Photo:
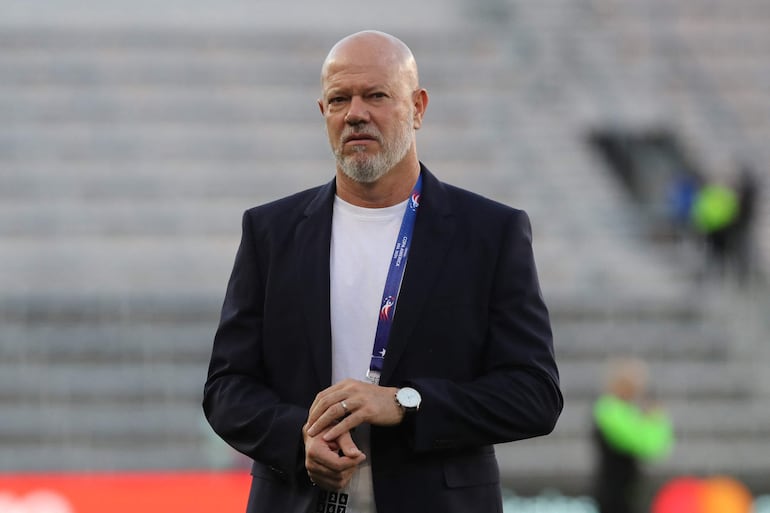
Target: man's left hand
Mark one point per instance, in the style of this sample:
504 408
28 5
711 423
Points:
349 403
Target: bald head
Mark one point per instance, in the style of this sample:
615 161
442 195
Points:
372 48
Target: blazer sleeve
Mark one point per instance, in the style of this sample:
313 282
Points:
516 395
237 402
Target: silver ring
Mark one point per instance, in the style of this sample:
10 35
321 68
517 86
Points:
344 407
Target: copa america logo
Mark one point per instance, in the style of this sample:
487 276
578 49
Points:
414 201
387 307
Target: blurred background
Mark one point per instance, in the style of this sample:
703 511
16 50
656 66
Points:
636 134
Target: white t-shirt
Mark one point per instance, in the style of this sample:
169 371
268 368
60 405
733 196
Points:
362 244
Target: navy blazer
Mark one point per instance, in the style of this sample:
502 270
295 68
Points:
471 333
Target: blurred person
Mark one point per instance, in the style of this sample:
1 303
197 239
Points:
714 211
742 227
628 428
680 198
352 386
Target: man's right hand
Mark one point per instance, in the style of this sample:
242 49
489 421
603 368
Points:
331 464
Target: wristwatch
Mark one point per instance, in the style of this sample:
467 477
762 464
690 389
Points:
409 399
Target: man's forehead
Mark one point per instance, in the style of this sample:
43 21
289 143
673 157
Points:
358 75
361 62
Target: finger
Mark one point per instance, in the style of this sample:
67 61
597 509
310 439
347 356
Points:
330 454
323 401
325 478
375 406
328 465
344 390
349 447
339 428
327 470
328 418
334 481
332 478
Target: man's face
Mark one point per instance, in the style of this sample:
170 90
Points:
369 116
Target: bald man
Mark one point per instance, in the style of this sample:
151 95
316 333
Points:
380 333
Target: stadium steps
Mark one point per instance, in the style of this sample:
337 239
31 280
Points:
129 155
613 64
94 383
707 64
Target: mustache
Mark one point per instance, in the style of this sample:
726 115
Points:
352 131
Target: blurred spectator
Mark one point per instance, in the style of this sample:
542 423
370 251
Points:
627 429
680 199
714 211
724 216
741 237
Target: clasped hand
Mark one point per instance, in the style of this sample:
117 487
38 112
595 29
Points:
331 456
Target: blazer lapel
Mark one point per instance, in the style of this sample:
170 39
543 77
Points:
433 232
313 240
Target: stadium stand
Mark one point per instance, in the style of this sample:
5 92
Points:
131 141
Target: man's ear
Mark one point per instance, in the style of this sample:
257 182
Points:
321 106
420 106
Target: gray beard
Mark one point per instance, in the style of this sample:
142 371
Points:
364 168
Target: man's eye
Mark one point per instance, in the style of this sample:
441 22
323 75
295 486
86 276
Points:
336 99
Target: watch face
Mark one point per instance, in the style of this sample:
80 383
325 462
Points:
408 397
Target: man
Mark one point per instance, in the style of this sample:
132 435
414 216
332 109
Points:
380 333
628 429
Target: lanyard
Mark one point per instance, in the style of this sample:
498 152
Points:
393 284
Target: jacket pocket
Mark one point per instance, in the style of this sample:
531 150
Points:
266 472
271 493
476 469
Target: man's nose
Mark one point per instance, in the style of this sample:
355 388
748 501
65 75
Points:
357 111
